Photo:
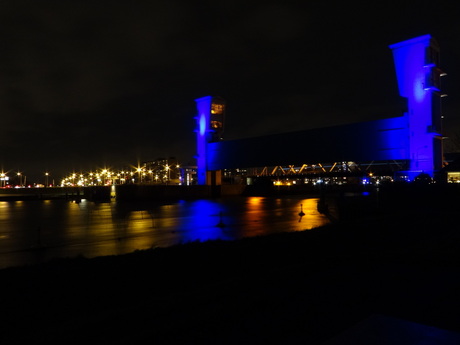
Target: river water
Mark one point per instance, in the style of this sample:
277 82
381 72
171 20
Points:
36 231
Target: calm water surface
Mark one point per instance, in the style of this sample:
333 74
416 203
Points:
39 230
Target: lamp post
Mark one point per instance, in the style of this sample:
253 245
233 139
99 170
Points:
46 179
168 173
3 179
139 170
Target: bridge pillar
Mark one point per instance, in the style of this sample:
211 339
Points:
210 126
418 74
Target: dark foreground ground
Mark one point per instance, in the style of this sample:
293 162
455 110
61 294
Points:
399 260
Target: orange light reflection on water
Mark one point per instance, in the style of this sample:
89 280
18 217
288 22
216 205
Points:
311 218
261 213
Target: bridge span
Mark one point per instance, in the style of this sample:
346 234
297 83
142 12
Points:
405 145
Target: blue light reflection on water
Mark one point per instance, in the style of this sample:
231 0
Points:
60 228
202 220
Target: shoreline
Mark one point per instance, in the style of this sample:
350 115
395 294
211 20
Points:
300 287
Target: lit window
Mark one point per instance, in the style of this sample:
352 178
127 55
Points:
217 108
216 124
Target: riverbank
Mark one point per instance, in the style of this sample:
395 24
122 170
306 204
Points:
402 261
126 192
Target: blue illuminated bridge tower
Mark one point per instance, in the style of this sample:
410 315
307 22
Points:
210 126
419 80
412 138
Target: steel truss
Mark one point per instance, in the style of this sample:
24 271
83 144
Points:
332 169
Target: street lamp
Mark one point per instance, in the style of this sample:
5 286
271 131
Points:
151 175
139 170
3 179
46 179
168 174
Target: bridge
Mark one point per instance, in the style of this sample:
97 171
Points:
404 146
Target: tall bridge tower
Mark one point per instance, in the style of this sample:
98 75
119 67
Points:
419 80
210 127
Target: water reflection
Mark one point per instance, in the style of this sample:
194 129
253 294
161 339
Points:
32 231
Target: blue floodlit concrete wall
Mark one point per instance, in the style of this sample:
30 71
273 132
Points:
381 140
414 136
418 74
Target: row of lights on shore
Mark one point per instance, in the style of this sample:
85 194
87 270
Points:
107 177
166 174
22 180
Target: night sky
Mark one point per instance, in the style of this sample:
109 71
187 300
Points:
92 84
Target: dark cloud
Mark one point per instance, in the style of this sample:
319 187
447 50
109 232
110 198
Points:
85 83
